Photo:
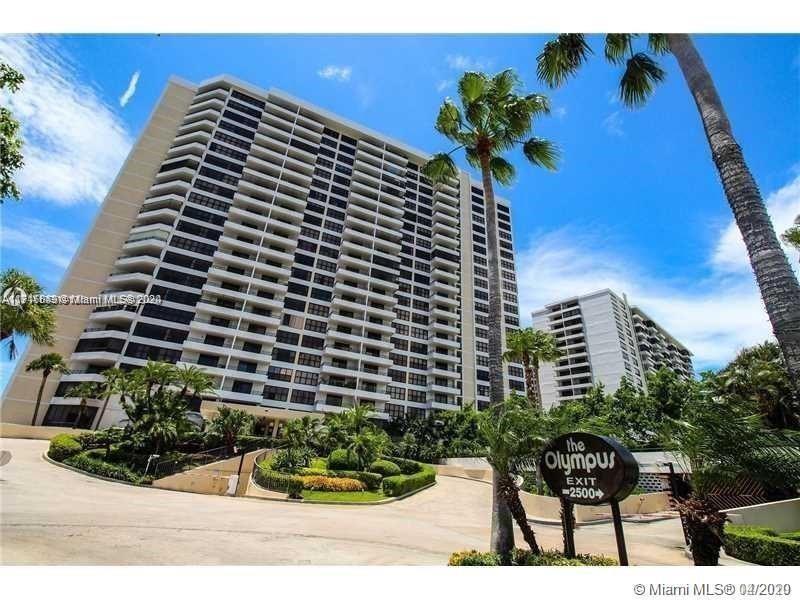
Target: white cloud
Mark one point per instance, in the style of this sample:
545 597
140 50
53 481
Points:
613 124
783 206
715 317
336 73
460 62
130 91
74 143
443 84
39 240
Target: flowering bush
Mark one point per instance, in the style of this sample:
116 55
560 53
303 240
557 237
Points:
320 483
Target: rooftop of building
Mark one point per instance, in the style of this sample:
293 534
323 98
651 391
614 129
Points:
348 125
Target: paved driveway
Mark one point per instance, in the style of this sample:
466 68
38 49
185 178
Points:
49 515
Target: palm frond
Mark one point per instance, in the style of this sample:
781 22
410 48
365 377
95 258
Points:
658 43
542 153
617 44
440 168
562 57
448 121
472 157
472 86
502 170
639 80
503 84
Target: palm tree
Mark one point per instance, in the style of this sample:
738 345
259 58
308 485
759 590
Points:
493 118
229 424
108 388
47 364
84 390
513 434
357 418
779 288
19 316
531 347
195 380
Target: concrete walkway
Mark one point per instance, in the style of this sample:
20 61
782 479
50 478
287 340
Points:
49 515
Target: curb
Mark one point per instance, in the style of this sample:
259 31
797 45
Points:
336 502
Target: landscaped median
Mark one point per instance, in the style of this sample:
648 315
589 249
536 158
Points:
762 545
80 452
337 479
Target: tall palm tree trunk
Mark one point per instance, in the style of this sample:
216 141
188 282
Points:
102 412
530 391
502 535
511 495
777 283
39 398
537 391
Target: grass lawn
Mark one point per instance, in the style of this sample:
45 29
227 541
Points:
354 497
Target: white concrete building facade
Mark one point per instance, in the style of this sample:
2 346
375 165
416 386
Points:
604 339
301 259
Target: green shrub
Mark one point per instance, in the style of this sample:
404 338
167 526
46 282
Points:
253 442
91 462
791 535
342 460
400 485
291 460
761 545
278 482
100 438
63 446
385 468
519 558
407 467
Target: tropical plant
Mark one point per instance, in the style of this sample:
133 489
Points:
52 362
778 284
108 388
84 391
156 411
719 445
229 424
513 432
493 118
758 380
300 433
194 382
367 445
531 347
20 316
792 235
10 140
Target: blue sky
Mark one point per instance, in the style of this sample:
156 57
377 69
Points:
636 204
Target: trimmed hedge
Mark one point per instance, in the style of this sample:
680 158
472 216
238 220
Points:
400 485
342 460
89 462
385 467
279 482
64 446
320 483
407 467
524 558
762 545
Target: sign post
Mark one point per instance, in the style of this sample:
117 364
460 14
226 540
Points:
588 469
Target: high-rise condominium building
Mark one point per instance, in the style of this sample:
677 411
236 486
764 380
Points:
301 259
604 339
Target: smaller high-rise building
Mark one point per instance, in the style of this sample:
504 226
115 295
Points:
604 339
